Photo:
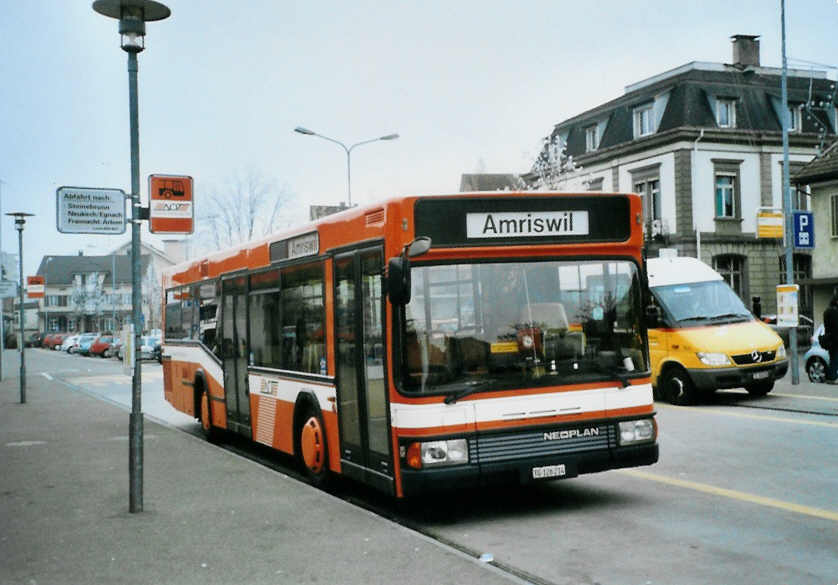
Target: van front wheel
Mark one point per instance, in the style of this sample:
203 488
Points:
676 387
760 388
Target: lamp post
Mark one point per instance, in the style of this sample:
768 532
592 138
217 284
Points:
132 16
348 150
20 221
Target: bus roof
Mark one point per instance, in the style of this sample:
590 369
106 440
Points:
678 270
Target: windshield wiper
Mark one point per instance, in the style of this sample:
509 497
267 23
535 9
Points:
471 387
729 316
695 318
611 371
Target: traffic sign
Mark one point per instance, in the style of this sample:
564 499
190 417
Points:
89 210
35 287
8 288
804 230
171 208
769 222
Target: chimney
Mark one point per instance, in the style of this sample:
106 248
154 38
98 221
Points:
745 51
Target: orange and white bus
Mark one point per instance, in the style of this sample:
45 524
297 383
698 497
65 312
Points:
426 342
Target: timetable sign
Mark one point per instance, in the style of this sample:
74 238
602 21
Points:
84 210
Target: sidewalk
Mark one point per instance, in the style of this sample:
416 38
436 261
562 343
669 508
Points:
209 516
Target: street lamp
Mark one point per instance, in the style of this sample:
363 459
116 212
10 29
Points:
132 16
20 221
348 150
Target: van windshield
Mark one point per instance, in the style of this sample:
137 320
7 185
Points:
701 303
487 326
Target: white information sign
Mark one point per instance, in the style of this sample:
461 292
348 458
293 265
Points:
128 354
787 305
84 210
526 224
8 288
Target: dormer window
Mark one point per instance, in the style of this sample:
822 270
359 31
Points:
644 123
795 117
591 138
726 113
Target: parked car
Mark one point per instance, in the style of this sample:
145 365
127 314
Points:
147 347
114 349
85 341
56 340
69 343
804 329
816 359
158 352
100 345
47 339
33 339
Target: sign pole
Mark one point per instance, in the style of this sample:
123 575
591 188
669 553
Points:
136 419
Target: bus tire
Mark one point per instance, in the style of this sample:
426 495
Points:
676 386
760 388
312 450
203 410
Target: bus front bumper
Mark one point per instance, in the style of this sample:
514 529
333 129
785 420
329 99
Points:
522 471
719 378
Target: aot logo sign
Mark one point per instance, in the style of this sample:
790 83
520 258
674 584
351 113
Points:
35 287
171 208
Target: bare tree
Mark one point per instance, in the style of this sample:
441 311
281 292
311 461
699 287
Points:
246 207
552 166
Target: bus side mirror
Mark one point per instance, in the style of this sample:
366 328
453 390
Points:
398 280
652 316
398 270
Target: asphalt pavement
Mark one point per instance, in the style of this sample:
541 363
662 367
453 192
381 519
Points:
209 516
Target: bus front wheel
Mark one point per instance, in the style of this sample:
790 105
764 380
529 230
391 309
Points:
205 412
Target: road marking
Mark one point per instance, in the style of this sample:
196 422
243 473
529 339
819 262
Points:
734 494
807 396
47 376
815 423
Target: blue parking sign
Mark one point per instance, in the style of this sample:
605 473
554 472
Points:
804 230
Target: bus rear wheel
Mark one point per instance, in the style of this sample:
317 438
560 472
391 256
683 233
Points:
312 452
677 388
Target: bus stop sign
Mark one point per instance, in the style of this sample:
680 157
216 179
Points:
171 208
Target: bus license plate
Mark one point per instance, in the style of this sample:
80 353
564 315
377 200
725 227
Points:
549 471
761 375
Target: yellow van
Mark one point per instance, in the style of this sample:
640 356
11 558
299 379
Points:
704 338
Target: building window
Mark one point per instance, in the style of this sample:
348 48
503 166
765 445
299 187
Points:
650 190
591 138
731 268
833 214
643 120
725 196
795 118
726 113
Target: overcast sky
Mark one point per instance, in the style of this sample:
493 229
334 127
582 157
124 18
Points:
471 86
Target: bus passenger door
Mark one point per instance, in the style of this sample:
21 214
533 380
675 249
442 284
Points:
234 353
361 384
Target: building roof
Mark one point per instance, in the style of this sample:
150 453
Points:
59 270
489 182
823 167
687 96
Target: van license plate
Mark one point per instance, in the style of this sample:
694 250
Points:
548 471
761 375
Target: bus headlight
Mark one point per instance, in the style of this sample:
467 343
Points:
437 453
781 351
713 359
637 431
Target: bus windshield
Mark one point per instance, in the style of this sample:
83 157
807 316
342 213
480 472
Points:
505 325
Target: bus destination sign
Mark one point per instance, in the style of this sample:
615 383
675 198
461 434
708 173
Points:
526 224
508 221
85 210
